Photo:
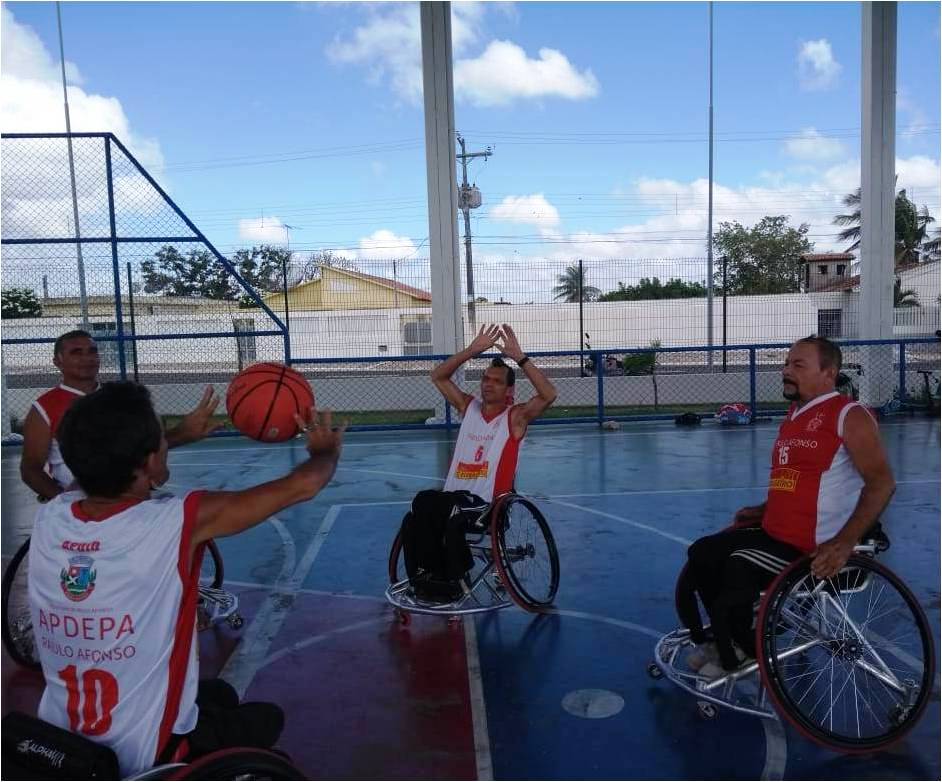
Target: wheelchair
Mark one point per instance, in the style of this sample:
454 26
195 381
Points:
515 561
34 749
848 661
215 605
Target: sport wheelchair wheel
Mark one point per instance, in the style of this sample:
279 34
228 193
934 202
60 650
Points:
17 629
848 660
395 556
213 570
240 763
524 552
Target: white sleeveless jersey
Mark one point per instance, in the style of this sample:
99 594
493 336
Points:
485 458
52 406
114 616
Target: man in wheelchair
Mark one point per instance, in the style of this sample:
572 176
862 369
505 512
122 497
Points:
482 467
829 482
113 586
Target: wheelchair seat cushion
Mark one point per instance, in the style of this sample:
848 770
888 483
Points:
35 749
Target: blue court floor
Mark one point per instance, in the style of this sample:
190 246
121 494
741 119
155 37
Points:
369 698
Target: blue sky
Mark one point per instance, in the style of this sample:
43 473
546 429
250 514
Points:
596 113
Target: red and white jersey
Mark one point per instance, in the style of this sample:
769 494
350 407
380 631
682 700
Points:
114 616
52 406
814 486
485 458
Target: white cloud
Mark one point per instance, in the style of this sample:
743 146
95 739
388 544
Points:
388 45
31 95
918 171
269 230
811 145
24 56
504 72
817 68
383 244
526 210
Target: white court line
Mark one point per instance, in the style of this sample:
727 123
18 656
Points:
248 657
776 749
482 740
623 520
319 638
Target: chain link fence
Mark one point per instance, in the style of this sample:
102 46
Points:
619 337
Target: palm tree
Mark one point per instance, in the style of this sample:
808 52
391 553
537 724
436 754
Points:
567 286
911 228
901 298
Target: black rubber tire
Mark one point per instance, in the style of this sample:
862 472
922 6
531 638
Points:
789 689
240 763
218 568
14 591
511 576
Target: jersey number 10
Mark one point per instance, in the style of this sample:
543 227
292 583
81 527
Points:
96 700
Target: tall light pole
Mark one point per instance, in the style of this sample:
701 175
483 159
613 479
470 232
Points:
710 210
469 198
284 276
83 296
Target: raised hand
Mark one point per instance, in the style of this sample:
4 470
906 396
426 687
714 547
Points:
487 337
198 423
509 344
323 438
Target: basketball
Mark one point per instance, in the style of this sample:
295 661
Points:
262 401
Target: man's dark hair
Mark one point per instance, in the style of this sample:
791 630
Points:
829 354
63 338
107 435
511 375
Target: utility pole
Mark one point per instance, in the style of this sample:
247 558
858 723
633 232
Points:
710 209
469 198
284 277
83 295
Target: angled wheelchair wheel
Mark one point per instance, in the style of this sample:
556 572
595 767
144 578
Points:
213 571
524 552
240 763
17 629
849 661
397 568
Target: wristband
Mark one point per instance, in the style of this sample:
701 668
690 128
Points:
523 361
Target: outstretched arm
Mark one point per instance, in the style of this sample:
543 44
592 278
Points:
441 376
545 390
197 424
223 513
862 440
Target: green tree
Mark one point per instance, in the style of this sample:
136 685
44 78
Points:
198 273
567 286
904 298
262 267
912 234
20 303
764 259
648 289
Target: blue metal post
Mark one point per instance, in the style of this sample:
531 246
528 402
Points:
600 385
752 383
122 364
448 423
902 372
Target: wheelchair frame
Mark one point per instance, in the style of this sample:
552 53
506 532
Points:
747 689
491 584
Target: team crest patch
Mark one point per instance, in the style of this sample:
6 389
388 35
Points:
815 423
78 579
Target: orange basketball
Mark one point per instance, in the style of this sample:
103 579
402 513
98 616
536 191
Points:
263 399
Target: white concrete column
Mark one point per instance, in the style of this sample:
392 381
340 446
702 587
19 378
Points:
447 332
878 195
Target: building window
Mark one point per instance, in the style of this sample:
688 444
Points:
416 336
822 269
829 323
840 269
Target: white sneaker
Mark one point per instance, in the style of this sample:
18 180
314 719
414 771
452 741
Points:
702 654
